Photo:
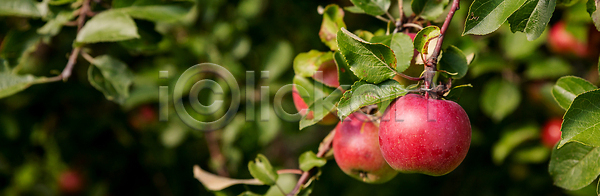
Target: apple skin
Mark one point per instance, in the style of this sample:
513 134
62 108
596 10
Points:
356 150
562 41
71 182
419 145
551 132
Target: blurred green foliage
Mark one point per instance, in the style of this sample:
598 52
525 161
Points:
122 149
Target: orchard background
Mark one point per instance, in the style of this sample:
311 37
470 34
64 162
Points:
80 80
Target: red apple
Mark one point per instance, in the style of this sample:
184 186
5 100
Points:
563 42
551 132
356 150
143 117
429 136
70 182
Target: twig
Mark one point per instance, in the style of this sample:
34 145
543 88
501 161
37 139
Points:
430 65
390 17
289 171
410 77
413 25
401 17
215 153
382 19
324 148
66 73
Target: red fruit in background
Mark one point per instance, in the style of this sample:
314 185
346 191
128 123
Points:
412 36
429 136
330 74
563 42
143 117
551 132
356 150
70 182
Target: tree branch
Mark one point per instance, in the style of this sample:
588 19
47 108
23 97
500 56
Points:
66 73
324 148
430 65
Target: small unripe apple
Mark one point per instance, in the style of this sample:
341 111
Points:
143 117
564 42
551 132
71 182
356 150
429 136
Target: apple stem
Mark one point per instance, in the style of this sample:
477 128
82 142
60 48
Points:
431 64
325 146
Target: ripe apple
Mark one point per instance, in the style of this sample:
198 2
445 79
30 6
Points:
356 150
143 117
71 182
563 42
429 136
551 132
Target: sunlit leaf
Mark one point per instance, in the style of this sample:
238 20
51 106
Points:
22 8
214 183
373 7
424 36
402 46
309 159
262 170
568 87
108 26
363 94
485 16
532 17
370 62
582 120
333 20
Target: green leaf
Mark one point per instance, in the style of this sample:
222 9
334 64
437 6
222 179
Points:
279 59
582 120
17 44
53 26
532 17
402 46
574 166
112 77
363 94
11 84
320 108
536 154
510 139
108 26
21 8
373 7
499 98
516 46
594 11
424 36
370 62
485 16
306 64
249 193
215 183
552 67
333 20
346 77
262 170
354 9
487 63
454 61
309 159
428 9
156 13
568 87
310 90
